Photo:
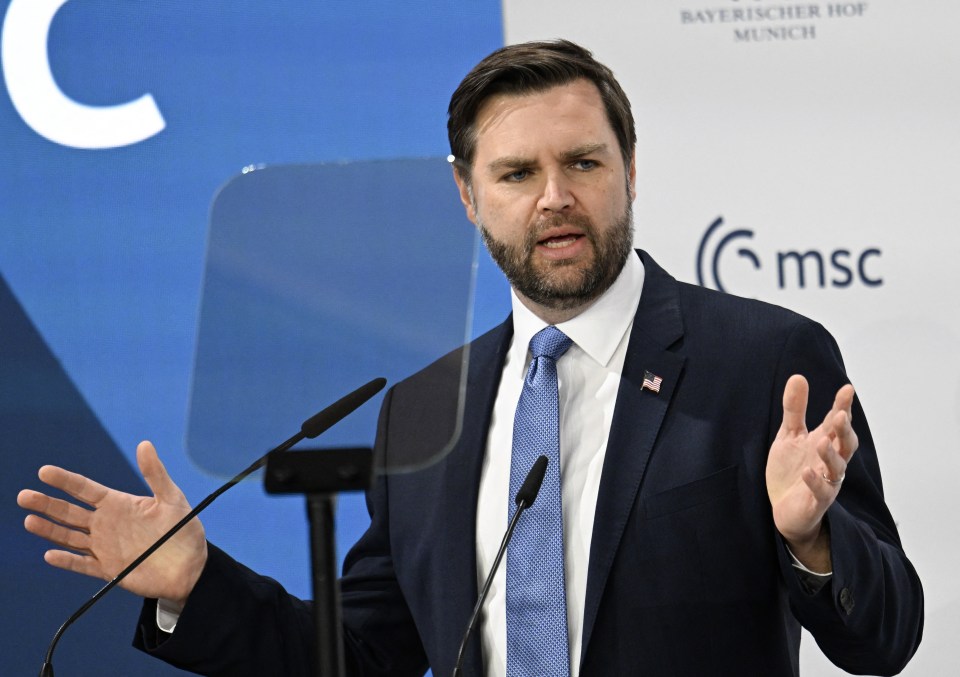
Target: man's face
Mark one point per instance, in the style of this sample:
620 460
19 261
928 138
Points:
550 194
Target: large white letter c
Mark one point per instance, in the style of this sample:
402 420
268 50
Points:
46 109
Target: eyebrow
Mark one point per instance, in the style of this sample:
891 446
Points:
508 162
517 161
585 149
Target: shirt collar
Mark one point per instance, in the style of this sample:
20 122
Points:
598 330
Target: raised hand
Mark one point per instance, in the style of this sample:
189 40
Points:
805 470
118 527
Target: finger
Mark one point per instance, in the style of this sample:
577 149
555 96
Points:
834 465
824 492
81 564
844 400
80 487
795 395
843 436
57 509
156 475
58 534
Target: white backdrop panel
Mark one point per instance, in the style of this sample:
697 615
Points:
825 129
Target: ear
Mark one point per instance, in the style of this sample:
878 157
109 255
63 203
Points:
632 176
463 185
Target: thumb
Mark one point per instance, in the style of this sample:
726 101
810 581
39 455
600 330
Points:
795 405
156 475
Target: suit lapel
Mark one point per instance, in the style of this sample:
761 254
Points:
637 418
461 480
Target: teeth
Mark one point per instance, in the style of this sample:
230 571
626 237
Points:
555 244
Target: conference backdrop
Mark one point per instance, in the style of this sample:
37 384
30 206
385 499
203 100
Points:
157 155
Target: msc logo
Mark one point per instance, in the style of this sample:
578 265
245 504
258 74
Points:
837 268
44 107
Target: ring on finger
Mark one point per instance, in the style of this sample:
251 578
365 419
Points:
835 482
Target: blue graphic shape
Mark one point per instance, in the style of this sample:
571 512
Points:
45 420
319 278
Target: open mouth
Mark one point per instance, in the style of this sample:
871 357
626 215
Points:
560 236
560 241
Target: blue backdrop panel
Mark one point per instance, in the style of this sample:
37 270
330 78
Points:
104 249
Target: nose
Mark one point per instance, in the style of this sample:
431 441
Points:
556 194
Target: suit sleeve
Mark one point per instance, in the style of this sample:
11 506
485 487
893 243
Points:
869 618
239 623
236 622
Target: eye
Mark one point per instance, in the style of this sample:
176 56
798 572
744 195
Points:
585 165
517 175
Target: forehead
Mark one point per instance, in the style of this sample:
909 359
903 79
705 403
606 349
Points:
566 115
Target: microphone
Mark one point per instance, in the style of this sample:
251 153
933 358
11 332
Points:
312 427
346 405
525 498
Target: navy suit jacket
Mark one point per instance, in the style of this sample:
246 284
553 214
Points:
687 574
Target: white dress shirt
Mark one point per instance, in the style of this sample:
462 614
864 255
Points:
589 378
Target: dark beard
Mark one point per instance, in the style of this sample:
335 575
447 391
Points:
538 284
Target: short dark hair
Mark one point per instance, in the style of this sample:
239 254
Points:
527 68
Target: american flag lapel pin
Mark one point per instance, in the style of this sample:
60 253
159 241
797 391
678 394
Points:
651 382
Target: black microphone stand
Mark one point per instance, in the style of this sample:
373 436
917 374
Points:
321 474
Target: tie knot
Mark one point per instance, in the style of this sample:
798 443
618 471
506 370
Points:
550 342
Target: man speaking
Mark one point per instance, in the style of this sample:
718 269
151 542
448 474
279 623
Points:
711 486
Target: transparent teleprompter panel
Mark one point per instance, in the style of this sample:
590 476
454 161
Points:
319 278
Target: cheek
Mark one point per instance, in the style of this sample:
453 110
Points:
610 202
503 218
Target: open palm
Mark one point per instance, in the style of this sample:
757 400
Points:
805 468
101 540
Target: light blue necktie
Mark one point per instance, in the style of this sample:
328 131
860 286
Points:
536 599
